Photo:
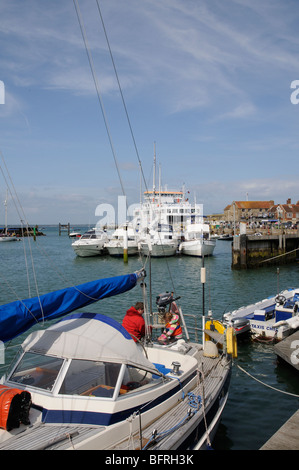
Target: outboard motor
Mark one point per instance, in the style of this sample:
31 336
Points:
163 300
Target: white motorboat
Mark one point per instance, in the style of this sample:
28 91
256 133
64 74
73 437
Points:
124 237
75 235
91 243
160 242
197 241
273 318
7 238
84 383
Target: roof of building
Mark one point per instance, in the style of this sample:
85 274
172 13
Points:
286 207
251 205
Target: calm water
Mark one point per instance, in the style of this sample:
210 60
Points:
253 412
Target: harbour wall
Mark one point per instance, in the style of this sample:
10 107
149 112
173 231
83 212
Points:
251 251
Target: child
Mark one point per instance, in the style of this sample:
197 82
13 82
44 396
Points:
172 329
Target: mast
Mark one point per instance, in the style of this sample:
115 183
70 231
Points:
154 171
5 205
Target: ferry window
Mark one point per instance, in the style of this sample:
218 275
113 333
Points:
37 370
90 378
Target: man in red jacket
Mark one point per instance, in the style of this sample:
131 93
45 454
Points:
133 321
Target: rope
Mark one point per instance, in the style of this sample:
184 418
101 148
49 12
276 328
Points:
266 385
26 223
90 60
121 93
279 256
203 403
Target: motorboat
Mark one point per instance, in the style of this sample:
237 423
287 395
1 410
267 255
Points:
84 383
91 243
273 318
160 241
226 237
75 235
8 238
124 237
197 241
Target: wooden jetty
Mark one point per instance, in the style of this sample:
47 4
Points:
252 251
62 227
288 350
287 437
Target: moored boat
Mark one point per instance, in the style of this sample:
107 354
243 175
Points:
91 243
160 242
273 318
84 383
124 237
197 241
8 238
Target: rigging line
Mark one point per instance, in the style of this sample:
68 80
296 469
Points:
279 256
266 385
121 93
39 247
99 96
21 301
90 60
19 215
28 237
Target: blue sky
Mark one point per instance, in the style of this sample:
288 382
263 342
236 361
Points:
208 80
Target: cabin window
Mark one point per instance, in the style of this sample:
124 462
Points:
37 370
138 378
90 378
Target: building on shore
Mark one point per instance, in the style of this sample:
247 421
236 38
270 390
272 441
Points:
285 212
241 211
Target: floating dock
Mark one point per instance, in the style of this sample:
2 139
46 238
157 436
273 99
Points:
287 437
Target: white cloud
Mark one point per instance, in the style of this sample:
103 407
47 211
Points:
210 80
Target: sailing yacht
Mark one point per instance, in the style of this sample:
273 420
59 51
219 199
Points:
85 384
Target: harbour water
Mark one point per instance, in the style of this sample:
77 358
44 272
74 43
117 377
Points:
254 411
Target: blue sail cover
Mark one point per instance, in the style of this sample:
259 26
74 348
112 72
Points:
17 317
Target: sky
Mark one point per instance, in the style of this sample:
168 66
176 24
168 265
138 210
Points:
206 85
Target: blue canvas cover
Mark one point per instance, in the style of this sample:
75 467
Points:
17 317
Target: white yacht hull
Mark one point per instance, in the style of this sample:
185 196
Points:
86 250
117 249
159 250
198 247
8 239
